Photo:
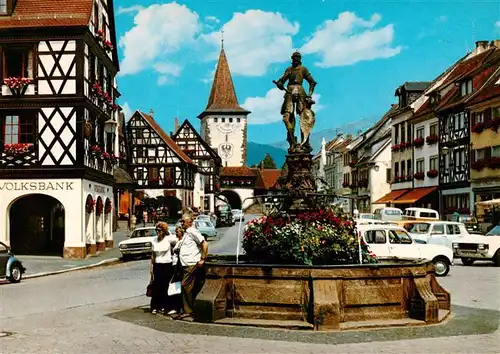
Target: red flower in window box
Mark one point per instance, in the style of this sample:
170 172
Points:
432 173
108 46
95 151
494 123
478 128
99 207
89 206
418 142
419 175
17 85
353 163
101 36
17 148
432 139
478 165
106 156
407 144
494 162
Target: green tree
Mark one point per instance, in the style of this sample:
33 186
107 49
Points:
268 162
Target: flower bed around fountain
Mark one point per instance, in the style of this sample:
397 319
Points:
303 271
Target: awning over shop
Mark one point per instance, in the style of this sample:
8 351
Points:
414 195
390 197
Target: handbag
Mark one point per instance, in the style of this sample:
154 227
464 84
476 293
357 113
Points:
149 288
174 288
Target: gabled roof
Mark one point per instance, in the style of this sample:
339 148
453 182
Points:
380 149
491 90
186 124
223 96
267 178
48 13
168 140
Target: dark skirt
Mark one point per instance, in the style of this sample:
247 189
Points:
162 273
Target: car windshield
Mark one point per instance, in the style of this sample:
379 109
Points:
420 228
494 231
143 233
203 224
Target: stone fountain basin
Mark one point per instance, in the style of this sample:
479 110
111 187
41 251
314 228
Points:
327 298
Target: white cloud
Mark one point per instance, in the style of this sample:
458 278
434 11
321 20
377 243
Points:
130 9
497 24
350 39
212 19
267 109
127 111
254 40
159 32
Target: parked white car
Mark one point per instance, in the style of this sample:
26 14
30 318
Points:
437 232
478 247
388 241
140 242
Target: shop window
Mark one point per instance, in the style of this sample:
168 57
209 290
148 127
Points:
19 130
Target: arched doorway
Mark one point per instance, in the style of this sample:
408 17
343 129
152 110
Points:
233 199
37 225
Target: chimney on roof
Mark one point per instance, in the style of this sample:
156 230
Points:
176 123
349 136
481 46
152 113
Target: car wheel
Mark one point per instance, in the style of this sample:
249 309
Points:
126 257
467 261
441 266
496 258
16 273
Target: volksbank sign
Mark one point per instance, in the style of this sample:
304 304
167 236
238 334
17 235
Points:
36 186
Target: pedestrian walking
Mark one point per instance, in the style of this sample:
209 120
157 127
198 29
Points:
192 254
161 270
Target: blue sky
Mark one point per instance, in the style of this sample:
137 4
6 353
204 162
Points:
359 52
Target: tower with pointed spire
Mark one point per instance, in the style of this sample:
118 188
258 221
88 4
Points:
224 121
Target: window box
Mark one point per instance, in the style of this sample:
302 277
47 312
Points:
353 163
478 165
17 149
494 123
493 163
432 139
478 127
419 175
418 142
17 85
432 173
407 145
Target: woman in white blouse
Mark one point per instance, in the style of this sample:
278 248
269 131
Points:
161 269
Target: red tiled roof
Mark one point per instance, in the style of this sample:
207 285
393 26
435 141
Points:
424 109
269 177
48 13
242 171
168 140
465 67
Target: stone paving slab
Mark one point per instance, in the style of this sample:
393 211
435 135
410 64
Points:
463 321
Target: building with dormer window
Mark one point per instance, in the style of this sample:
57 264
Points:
58 140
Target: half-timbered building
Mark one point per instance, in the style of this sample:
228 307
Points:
207 182
157 164
58 63
465 81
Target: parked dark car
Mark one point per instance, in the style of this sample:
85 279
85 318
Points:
11 268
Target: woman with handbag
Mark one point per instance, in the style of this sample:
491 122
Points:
161 270
176 299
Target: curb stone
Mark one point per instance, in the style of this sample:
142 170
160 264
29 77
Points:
106 262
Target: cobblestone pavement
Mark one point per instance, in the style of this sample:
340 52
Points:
99 311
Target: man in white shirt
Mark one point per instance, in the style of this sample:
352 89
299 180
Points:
192 254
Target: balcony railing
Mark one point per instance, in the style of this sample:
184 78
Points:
100 164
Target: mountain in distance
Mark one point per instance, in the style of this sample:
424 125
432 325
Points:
316 137
278 150
256 153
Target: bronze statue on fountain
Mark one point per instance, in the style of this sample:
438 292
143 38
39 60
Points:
299 179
